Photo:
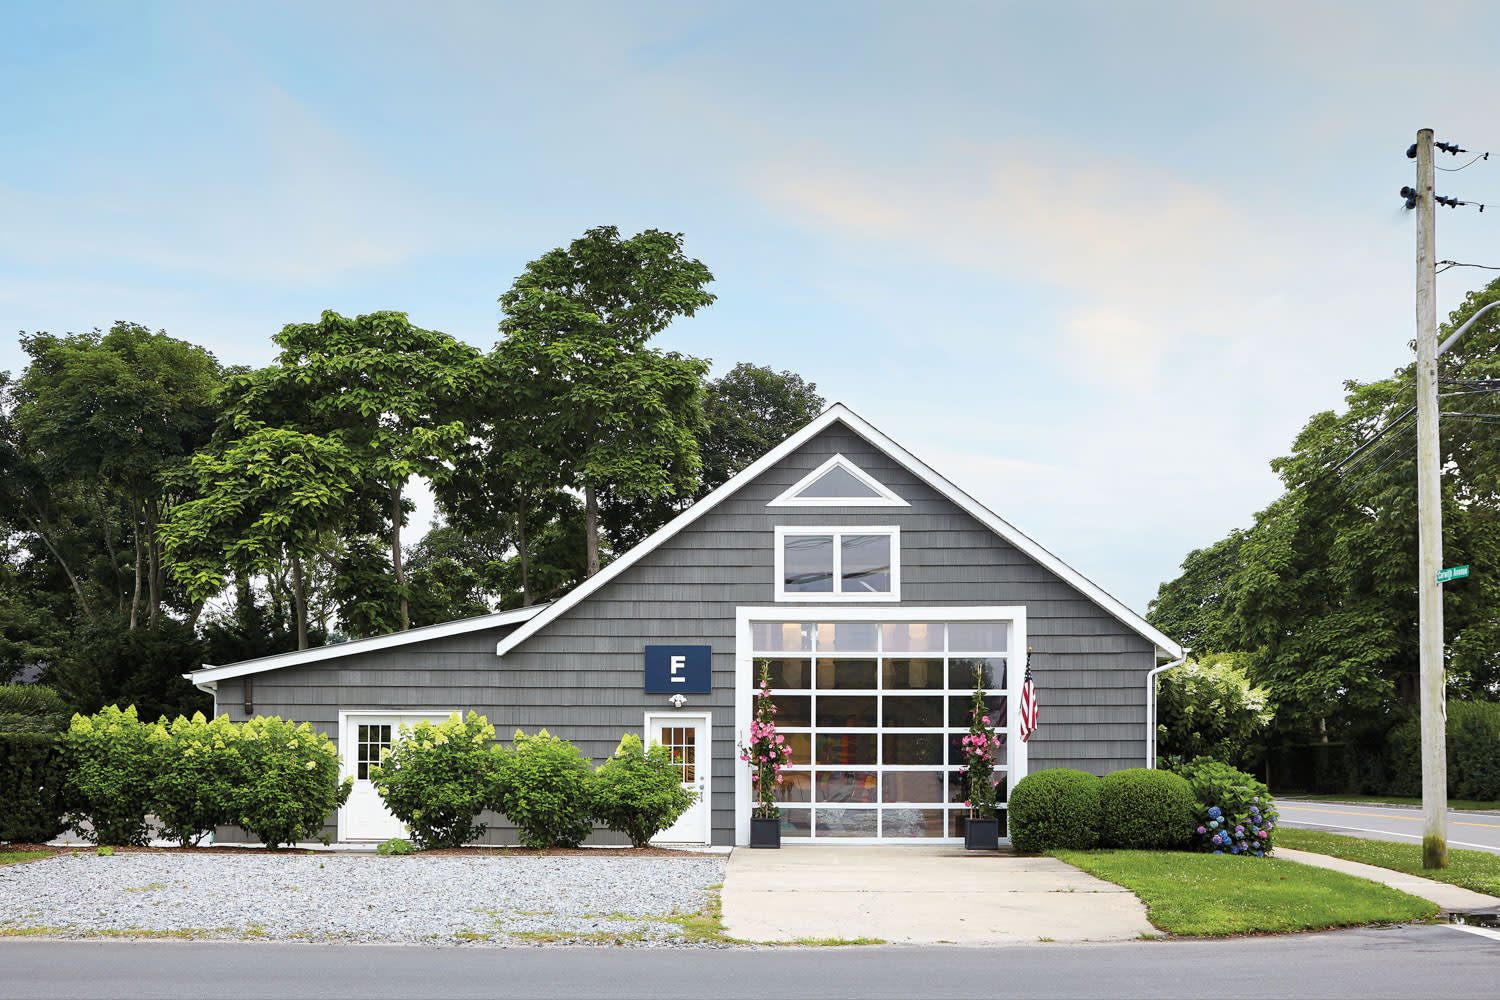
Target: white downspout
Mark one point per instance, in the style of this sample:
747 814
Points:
1151 705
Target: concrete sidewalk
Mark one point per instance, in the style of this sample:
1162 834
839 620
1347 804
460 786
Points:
1449 897
921 894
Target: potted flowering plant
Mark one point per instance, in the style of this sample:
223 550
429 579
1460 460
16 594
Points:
981 748
767 753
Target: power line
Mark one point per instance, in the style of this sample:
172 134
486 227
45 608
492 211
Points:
1446 264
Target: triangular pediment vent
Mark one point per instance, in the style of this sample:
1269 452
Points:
838 482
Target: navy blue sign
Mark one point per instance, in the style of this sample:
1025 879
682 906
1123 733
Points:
679 669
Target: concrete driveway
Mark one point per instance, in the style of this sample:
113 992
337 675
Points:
921 895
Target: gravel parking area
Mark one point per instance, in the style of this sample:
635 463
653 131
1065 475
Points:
508 900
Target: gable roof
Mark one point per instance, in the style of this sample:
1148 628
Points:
209 673
839 413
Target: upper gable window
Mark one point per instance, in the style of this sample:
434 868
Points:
845 563
838 482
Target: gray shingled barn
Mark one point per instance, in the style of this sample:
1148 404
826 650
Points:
871 586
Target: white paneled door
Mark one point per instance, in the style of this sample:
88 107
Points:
364 736
687 737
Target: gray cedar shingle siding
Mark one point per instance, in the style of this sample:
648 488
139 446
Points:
581 676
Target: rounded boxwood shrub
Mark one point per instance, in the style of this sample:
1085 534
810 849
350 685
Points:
1054 809
108 766
544 789
291 781
437 778
639 792
1145 809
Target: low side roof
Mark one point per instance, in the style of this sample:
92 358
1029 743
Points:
839 413
208 672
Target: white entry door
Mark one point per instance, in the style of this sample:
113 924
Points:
365 735
686 736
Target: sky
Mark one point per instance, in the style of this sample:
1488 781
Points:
1096 263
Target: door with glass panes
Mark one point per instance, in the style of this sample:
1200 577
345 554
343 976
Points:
875 713
686 737
364 815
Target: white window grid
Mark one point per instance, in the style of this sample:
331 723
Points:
952 726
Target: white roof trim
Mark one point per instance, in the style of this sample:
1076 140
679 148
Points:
886 496
839 413
208 673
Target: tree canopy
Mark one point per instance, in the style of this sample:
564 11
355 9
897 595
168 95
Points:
1319 593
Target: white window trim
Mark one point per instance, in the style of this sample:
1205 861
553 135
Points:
705 765
347 763
744 668
837 530
887 497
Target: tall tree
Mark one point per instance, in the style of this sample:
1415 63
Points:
389 393
613 412
101 421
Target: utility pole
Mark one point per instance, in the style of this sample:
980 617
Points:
1430 529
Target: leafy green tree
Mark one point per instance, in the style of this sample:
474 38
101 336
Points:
611 412
1197 608
263 498
384 393
100 422
747 412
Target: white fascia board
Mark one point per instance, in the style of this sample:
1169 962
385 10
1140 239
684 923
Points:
839 413
208 674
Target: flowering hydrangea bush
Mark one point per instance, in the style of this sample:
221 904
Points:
981 753
437 778
1236 814
767 752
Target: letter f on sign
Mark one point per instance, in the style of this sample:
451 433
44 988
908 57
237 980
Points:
678 663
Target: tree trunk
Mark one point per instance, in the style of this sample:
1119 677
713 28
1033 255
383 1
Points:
299 599
135 596
523 548
396 554
591 528
42 531
109 546
153 563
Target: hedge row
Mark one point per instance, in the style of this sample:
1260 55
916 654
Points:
437 778
31 781
275 779
1208 807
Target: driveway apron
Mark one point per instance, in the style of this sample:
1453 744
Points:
921 895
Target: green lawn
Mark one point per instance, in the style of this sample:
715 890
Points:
1389 800
1211 895
1475 870
13 857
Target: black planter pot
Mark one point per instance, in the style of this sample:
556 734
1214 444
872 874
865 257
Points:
982 835
765 832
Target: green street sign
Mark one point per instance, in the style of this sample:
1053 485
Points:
1453 573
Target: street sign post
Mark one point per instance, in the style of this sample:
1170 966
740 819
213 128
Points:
1452 573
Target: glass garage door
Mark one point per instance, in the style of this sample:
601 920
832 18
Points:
875 714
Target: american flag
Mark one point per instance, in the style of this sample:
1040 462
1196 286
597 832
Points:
1028 703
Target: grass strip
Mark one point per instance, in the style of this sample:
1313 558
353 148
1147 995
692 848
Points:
16 857
1473 805
1477 870
1207 895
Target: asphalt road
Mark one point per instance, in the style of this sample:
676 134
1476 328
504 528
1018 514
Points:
1365 964
1472 830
